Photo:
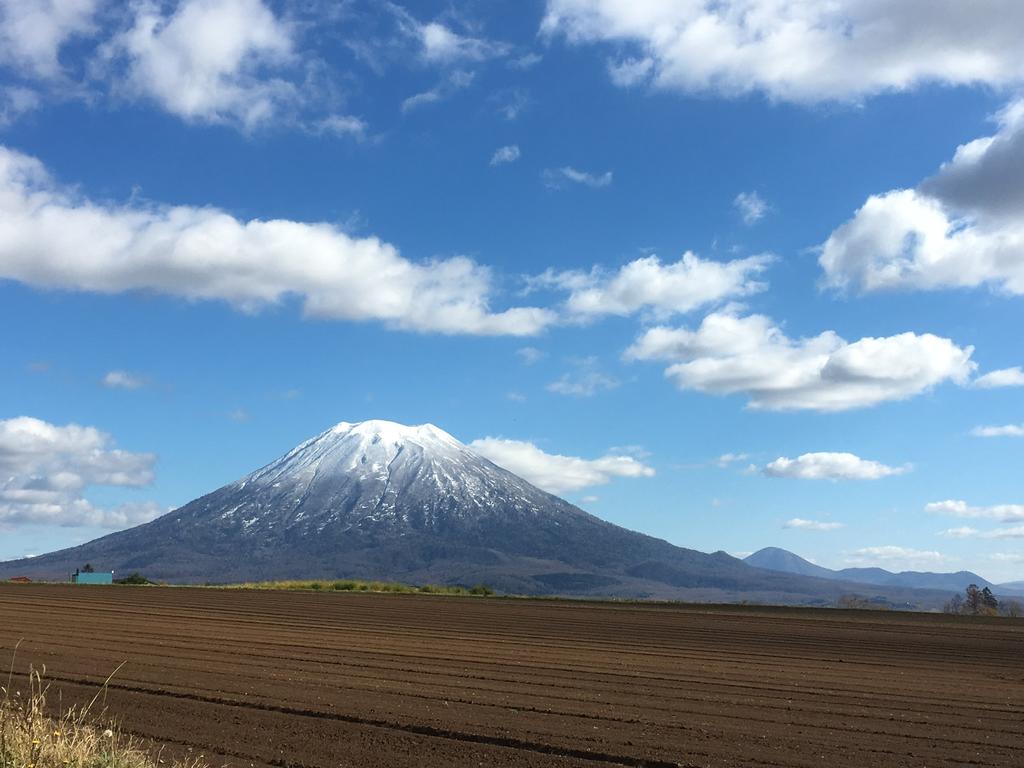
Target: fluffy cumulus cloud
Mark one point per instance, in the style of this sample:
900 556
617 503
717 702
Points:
750 355
831 466
802 51
234 62
1004 430
556 473
801 524
662 289
208 60
52 238
890 556
32 32
45 468
962 228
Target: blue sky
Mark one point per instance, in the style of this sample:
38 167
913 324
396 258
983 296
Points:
226 225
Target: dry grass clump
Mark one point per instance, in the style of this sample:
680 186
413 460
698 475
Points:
72 738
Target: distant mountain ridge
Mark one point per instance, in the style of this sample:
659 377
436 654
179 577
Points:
784 561
381 500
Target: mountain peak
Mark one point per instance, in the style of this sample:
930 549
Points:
391 431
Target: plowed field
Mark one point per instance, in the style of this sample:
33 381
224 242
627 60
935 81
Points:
333 679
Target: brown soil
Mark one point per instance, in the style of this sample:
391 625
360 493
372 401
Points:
304 680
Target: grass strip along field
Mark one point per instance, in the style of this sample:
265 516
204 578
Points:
311 679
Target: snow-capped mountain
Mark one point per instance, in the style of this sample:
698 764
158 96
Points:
376 477
381 500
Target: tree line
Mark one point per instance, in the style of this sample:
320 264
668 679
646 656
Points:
981 602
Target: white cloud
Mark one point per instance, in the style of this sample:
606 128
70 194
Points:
555 473
1016 532
1006 513
526 61
454 82
892 556
530 355
985 175
802 51
32 32
630 71
1006 430
963 532
511 102
1007 557
240 415
962 228
507 154
800 523
966 532
663 289
123 380
584 383
751 207
422 99
556 178
16 101
1006 377
341 125
730 354
46 468
208 60
831 466
907 240
727 459
1003 513
52 238
445 46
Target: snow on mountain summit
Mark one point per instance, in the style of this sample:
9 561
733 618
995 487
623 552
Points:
367 476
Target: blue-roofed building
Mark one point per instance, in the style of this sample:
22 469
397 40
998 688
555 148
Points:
82 577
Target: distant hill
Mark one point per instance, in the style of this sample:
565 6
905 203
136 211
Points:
1011 588
775 559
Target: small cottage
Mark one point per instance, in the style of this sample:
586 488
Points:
90 577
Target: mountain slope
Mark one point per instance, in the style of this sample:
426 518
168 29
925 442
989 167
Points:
385 501
775 559
1015 588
